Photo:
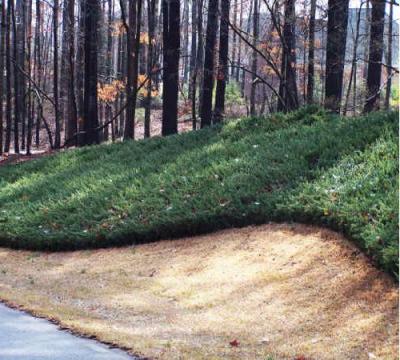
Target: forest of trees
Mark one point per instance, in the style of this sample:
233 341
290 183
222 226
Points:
75 73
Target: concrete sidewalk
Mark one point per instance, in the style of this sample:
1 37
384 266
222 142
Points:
23 337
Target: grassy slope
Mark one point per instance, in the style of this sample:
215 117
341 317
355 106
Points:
306 166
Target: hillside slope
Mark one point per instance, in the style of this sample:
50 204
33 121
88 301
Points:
307 166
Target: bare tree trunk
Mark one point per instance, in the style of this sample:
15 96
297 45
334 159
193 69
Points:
335 53
311 47
71 113
200 52
29 70
132 48
375 56
64 61
79 69
16 82
193 70
235 14
90 107
243 83
109 64
239 57
389 58
57 137
8 78
353 71
171 53
2 47
208 72
256 20
19 36
151 10
185 40
288 87
38 63
223 74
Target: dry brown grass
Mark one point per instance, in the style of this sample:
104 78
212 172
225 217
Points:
279 290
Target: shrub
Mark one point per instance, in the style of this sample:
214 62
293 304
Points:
307 166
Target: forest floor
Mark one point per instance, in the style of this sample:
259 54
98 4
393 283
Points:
265 292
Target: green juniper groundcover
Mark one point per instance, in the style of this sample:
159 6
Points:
307 166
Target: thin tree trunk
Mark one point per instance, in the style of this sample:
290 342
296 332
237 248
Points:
8 78
223 74
234 40
19 36
193 70
109 65
16 82
311 47
57 137
2 47
256 20
28 60
239 57
64 76
353 73
79 69
151 10
71 113
243 84
199 63
208 72
389 58
38 64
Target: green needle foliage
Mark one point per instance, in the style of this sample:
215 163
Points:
306 166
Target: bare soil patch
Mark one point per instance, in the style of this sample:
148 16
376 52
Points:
284 291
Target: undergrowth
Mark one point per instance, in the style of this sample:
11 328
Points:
306 166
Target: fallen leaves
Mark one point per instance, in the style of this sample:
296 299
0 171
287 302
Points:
234 343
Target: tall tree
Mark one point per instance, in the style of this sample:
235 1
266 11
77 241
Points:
38 63
109 64
71 111
375 55
63 97
288 99
197 78
90 106
8 78
30 107
234 46
20 44
256 21
208 70
171 52
222 75
79 68
17 94
353 71
151 16
57 138
311 47
335 52
239 56
193 54
132 49
2 53
389 57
